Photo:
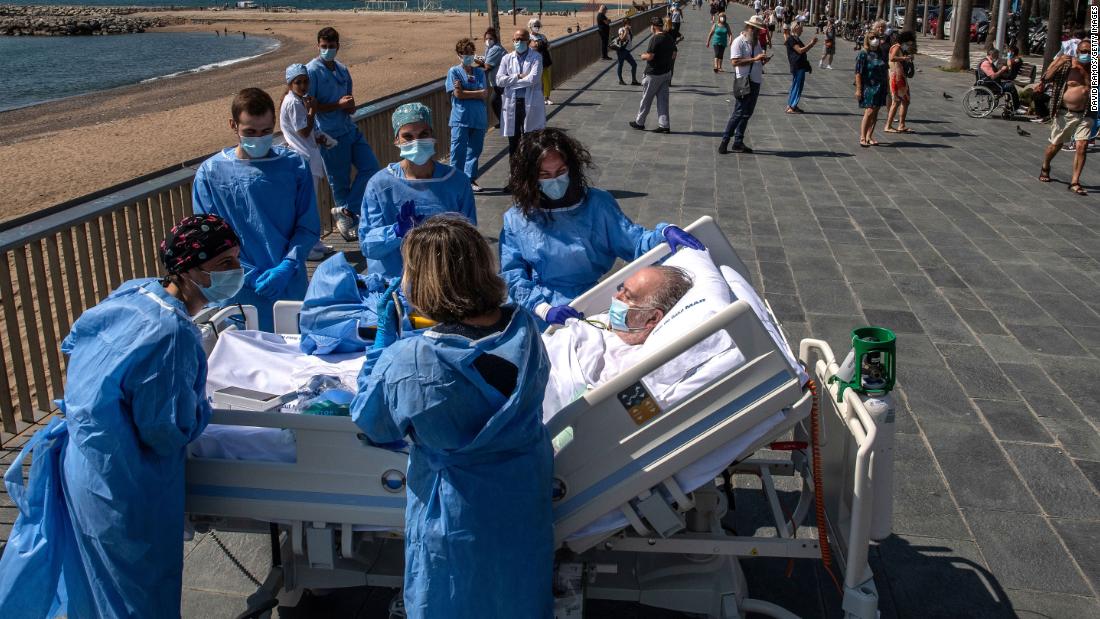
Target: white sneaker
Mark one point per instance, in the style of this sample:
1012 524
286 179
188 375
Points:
829 67
474 187
548 102
346 224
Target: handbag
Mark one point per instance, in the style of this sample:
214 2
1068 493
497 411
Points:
742 87
910 69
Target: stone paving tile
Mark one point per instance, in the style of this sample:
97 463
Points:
1055 481
1024 552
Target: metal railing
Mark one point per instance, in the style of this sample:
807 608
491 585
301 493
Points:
57 263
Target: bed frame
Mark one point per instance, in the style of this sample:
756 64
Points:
339 509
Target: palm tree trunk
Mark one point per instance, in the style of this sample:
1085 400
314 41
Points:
938 34
993 8
910 15
960 54
1054 30
881 10
1022 33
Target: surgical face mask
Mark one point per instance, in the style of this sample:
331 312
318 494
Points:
223 285
257 147
467 61
616 316
489 42
875 43
1009 55
329 53
555 188
418 151
1084 58
521 46
536 29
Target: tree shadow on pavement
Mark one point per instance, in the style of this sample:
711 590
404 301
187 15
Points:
799 154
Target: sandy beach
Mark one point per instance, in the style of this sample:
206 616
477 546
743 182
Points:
64 149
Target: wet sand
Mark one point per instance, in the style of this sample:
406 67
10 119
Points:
64 149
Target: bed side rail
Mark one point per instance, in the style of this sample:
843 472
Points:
607 456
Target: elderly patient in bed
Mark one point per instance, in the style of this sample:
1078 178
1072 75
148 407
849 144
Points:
651 309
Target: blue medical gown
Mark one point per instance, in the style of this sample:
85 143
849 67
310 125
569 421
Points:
337 303
135 397
478 524
554 258
271 204
448 190
329 86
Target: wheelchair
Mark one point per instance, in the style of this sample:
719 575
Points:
985 96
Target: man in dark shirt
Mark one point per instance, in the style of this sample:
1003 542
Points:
603 24
658 75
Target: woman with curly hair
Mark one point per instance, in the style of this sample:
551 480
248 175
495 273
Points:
561 235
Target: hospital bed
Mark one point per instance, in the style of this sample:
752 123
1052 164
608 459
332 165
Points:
627 526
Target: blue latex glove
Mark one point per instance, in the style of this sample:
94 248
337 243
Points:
387 317
273 281
558 315
677 237
406 219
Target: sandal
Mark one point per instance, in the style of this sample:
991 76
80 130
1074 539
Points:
891 130
905 130
1079 189
864 144
872 142
1044 175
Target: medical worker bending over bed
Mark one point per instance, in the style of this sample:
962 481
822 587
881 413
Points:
409 191
468 395
101 525
266 194
561 236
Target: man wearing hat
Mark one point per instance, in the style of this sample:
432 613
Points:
659 57
748 60
409 191
101 522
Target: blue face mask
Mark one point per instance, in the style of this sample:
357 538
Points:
467 61
418 151
616 316
257 147
1084 58
521 47
223 285
329 53
555 188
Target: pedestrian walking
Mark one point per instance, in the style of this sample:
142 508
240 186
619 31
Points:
659 57
520 75
469 119
676 16
494 54
603 25
756 4
541 44
719 38
830 46
800 66
621 44
901 69
748 60
871 85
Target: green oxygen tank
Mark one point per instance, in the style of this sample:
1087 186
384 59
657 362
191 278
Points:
869 370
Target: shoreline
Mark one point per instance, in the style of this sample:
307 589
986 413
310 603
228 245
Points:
59 150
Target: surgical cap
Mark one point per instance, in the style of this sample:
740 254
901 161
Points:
294 71
195 240
410 113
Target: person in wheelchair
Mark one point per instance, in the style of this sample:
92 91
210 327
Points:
996 78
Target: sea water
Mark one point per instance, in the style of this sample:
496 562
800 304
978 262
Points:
455 5
38 69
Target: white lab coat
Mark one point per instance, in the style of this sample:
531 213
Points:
508 79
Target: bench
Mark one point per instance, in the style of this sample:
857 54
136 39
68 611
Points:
1026 76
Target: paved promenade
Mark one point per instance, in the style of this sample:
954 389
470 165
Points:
991 279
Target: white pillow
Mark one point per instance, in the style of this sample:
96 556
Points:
709 294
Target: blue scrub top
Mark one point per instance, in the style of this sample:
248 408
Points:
479 536
448 190
327 86
467 112
554 258
493 57
269 202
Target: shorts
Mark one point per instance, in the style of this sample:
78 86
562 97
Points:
1068 126
719 51
899 88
